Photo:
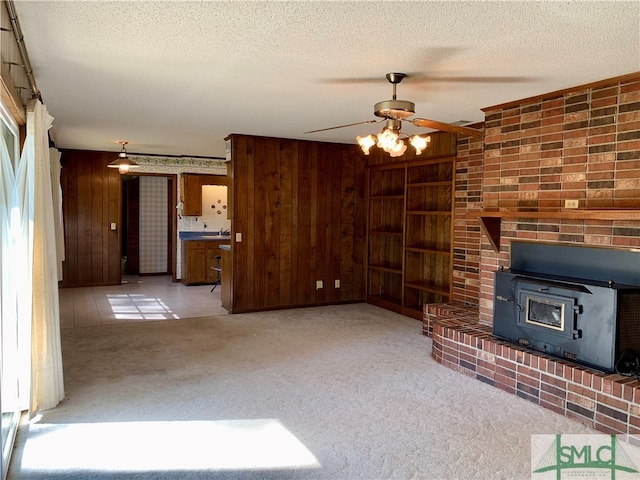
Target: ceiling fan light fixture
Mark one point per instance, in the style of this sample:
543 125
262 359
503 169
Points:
387 139
396 150
396 111
419 143
123 163
366 143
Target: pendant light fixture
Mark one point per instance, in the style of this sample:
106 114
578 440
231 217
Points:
123 162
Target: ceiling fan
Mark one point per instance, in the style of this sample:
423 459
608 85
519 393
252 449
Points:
394 112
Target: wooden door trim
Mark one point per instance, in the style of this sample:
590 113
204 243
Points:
172 219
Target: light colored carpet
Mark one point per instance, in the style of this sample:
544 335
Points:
337 392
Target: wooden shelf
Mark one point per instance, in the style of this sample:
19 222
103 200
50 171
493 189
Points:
444 183
379 232
563 214
385 268
427 287
413 311
385 301
420 246
427 250
387 197
427 212
428 232
387 298
491 221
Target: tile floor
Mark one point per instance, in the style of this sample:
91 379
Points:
137 299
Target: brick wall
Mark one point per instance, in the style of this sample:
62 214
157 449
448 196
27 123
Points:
582 143
467 236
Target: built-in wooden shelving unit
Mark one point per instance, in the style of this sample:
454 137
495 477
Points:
410 231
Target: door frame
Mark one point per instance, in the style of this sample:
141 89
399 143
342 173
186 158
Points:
10 331
172 219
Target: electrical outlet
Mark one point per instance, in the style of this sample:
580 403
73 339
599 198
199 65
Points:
336 283
571 203
238 237
319 284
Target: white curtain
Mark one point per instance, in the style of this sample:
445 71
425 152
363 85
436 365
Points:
21 270
56 191
41 339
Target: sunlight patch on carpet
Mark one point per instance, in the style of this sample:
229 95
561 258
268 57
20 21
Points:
139 307
258 444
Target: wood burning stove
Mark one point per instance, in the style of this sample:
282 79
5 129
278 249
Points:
548 311
586 320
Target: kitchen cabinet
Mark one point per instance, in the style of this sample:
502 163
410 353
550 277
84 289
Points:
199 260
191 195
192 191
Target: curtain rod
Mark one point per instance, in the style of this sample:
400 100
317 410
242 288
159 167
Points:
17 33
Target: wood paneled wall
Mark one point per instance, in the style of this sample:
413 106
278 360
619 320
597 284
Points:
299 206
91 202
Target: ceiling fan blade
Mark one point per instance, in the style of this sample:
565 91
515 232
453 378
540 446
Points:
411 77
430 57
350 81
421 77
478 79
347 125
447 127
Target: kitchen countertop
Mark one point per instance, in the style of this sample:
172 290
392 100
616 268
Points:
202 236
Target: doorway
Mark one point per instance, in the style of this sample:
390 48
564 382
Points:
149 225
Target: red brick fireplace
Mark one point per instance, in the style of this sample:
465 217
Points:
580 144
608 402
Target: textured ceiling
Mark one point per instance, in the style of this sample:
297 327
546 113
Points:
177 77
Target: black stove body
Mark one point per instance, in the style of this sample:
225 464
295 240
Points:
589 321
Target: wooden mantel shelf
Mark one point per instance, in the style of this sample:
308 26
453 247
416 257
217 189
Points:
490 221
568 214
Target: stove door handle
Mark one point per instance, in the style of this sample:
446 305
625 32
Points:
576 332
505 299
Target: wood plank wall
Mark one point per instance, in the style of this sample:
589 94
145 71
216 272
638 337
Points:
91 201
299 206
